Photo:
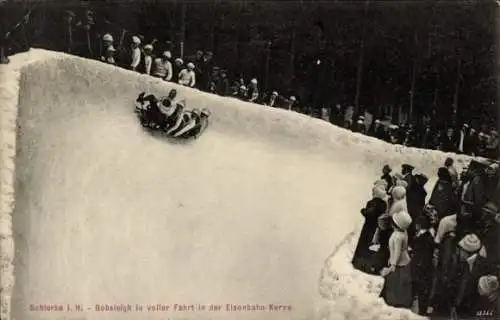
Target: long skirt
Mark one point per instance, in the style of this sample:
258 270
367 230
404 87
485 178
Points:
397 290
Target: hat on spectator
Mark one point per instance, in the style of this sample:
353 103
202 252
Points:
179 60
377 121
402 183
487 285
136 40
243 87
360 121
107 37
167 54
362 117
470 243
292 98
402 219
408 167
190 65
148 47
378 191
381 183
111 49
398 192
472 130
254 81
490 207
386 168
465 125
274 93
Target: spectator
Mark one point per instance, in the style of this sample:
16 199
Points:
348 117
222 83
290 103
462 135
177 67
242 93
148 59
442 196
372 211
448 163
163 66
472 200
253 91
422 263
187 76
206 67
107 41
492 145
386 175
109 55
272 99
135 53
397 290
465 275
486 305
471 142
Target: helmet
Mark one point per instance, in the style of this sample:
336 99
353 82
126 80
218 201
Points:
190 65
167 55
182 103
172 93
107 37
196 111
206 112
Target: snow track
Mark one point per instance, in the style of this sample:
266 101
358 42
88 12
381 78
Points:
104 213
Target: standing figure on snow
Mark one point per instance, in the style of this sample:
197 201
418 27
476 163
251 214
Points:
397 290
163 66
187 76
148 59
253 91
373 210
107 41
177 67
135 53
272 99
109 55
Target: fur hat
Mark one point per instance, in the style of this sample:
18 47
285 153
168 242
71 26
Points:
402 183
470 243
381 183
398 192
407 167
487 285
378 192
402 219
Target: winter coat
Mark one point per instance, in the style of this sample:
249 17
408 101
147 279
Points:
442 198
471 142
187 78
222 86
387 177
423 249
373 210
162 69
464 281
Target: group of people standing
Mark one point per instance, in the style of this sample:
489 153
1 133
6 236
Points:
438 257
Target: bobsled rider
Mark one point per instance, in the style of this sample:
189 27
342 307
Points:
197 124
170 110
154 113
183 118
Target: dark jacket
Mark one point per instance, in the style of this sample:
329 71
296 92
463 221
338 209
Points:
442 198
423 249
387 177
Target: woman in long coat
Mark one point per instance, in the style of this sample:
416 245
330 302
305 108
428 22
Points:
373 210
397 290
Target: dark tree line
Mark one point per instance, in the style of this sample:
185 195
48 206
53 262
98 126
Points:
434 58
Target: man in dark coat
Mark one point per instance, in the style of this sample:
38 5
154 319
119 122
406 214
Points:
386 175
423 249
472 199
413 197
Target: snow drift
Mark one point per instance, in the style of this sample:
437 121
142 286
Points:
107 214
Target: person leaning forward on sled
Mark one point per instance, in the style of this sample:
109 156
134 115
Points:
190 123
157 114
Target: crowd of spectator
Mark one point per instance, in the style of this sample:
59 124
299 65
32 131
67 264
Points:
441 257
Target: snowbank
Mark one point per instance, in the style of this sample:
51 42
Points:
93 82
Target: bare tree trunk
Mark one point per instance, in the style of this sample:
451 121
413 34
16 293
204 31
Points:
359 75
457 86
183 29
412 89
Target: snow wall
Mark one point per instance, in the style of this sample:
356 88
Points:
262 209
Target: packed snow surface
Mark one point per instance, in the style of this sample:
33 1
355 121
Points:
250 213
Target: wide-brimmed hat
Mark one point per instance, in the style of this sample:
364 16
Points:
470 243
408 167
398 192
402 219
487 284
